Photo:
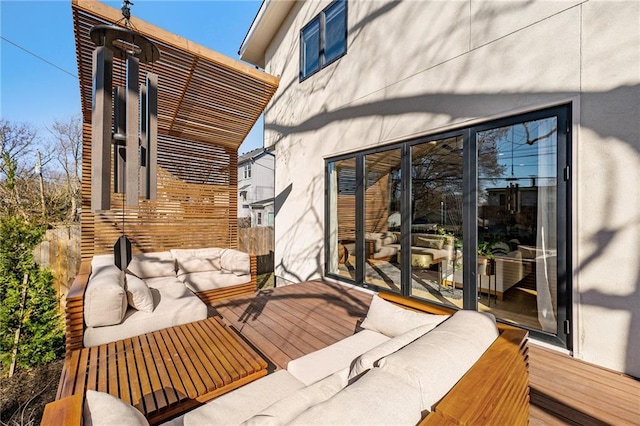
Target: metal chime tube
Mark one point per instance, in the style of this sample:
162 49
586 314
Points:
133 141
101 129
119 138
151 191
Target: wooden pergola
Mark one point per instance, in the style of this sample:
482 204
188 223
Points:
207 104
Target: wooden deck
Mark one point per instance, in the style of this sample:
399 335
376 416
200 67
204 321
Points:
288 322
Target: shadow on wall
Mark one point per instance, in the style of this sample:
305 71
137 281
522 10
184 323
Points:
611 114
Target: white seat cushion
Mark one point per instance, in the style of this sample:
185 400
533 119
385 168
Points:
319 364
243 403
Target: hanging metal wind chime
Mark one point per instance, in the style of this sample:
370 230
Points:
133 134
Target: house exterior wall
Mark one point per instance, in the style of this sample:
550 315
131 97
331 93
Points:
419 68
261 187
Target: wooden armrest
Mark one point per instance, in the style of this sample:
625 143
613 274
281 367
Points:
66 411
494 391
74 311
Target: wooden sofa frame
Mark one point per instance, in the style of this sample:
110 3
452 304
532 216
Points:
495 390
74 311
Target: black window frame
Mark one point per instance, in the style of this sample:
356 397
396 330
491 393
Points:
321 20
564 218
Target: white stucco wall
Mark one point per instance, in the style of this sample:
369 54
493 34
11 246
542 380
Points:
421 67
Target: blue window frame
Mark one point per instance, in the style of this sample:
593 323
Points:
324 39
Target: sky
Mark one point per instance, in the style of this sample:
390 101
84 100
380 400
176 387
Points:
39 90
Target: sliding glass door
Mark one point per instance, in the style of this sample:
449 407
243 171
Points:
478 218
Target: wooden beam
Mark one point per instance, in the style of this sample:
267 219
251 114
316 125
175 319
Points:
155 33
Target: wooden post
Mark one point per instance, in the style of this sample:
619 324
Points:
151 118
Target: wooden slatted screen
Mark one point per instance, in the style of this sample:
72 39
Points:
207 104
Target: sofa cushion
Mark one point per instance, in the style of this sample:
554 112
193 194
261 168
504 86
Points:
151 265
436 361
430 242
212 254
105 298
291 406
197 264
319 364
392 320
138 294
103 409
174 305
235 407
378 398
370 358
236 262
203 281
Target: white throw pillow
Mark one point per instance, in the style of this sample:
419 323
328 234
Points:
103 409
369 359
392 320
138 294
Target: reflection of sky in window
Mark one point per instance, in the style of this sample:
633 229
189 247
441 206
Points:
335 30
311 51
525 152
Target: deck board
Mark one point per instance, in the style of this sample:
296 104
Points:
287 322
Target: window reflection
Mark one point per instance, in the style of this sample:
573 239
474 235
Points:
517 227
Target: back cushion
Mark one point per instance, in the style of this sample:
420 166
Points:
105 299
436 361
236 262
292 405
392 320
186 264
152 265
370 358
378 398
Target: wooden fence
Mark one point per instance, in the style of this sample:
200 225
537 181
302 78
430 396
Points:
258 241
60 252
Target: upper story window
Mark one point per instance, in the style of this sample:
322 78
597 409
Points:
324 39
247 171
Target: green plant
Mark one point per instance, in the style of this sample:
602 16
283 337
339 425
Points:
31 328
484 249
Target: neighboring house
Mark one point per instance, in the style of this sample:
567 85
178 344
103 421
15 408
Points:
423 108
255 186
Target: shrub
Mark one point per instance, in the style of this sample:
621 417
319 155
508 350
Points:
27 299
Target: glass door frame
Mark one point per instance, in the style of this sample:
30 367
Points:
470 213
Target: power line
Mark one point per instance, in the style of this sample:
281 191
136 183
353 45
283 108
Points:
39 57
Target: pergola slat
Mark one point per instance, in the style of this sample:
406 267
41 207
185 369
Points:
207 104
